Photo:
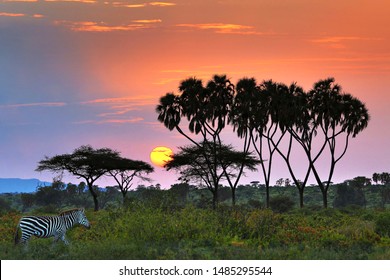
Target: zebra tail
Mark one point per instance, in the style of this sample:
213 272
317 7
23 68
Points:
17 235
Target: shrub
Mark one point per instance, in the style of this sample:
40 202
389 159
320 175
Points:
358 230
262 223
349 195
281 204
382 224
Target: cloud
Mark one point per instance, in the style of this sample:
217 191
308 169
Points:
20 0
91 26
76 1
41 104
141 100
126 5
146 21
339 42
4 14
118 110
112 121
122 121
223 28
335 39
162 4
141 5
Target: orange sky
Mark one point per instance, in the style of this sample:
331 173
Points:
93 71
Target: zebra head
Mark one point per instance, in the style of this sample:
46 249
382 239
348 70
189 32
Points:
82 219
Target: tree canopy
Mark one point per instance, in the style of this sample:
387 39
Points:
91 164
201 163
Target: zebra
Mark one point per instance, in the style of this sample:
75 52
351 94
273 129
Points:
47 226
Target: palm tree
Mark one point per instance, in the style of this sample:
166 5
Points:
250 116
206 110
292 117
169 111
334 115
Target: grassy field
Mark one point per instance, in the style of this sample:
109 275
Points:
143 232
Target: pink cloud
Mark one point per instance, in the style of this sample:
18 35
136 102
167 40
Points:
4 14
223 28
90 26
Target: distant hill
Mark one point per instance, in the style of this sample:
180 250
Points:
17 185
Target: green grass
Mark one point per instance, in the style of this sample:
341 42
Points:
142 232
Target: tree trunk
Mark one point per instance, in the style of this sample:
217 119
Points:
301 197
215 200
267 196
233 197
94 196
324 197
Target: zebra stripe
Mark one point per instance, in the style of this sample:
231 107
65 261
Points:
48 226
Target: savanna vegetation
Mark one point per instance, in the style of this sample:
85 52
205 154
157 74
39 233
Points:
180 223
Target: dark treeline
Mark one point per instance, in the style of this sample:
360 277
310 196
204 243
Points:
357 192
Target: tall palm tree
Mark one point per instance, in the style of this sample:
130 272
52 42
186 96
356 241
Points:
334 115
169 111
289 112
206 110
250 116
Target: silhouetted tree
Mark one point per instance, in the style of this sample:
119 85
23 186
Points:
349 194
375 178
384 178
124 170
181 191
85 162
207 109
334 115
194 163
291 112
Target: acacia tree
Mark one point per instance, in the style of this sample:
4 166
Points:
85 162
124 170
193 163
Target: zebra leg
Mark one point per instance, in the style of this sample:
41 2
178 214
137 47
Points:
25 238
24 241
63 238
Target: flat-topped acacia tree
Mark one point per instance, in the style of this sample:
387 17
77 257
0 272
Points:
85 162
124 170
194 163
91 164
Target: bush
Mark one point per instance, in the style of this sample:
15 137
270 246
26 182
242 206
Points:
382 224
349 195
4 206
262 224
281 204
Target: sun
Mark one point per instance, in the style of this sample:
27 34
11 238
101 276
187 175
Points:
160 156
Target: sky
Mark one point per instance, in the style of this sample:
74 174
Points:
77 72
